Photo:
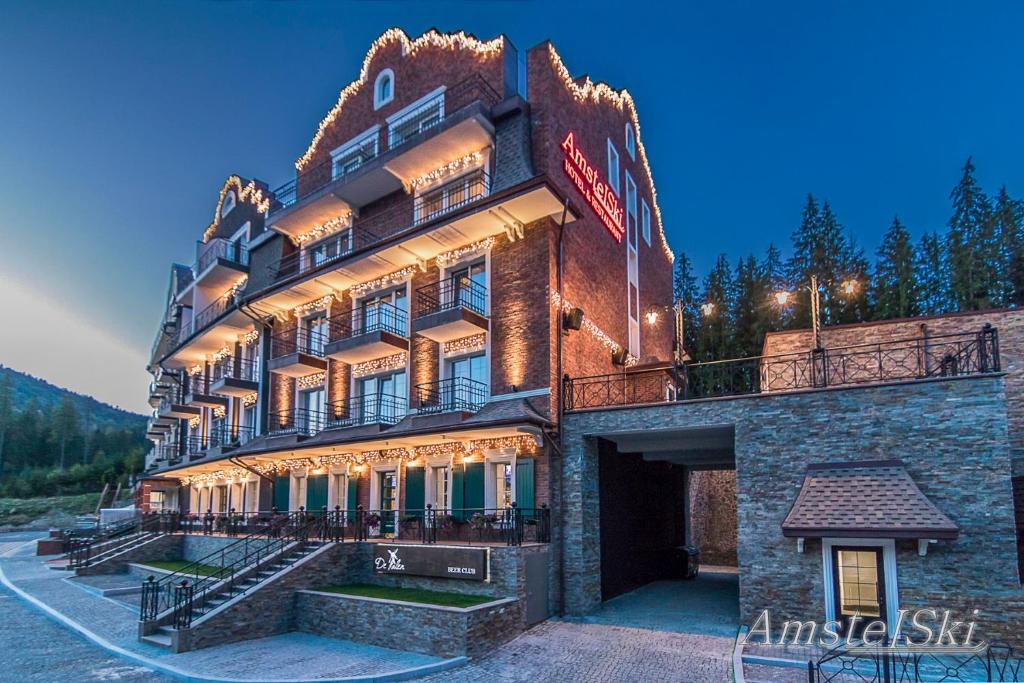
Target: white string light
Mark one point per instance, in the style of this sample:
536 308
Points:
589 326
369 367
391 278
451 168
321 304
314 380
448 257
323 229
250 193
473 342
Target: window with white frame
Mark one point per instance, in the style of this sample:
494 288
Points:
421 115
630 142
383 88
645 220
339 486
613 166
228 204
441 500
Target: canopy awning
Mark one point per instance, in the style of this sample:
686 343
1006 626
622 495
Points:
867 499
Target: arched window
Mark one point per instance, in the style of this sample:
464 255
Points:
228 203
630 142
383 88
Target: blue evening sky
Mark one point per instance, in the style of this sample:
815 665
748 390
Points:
120 121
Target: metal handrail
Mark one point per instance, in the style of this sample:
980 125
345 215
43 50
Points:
954 354
451 394
185 592
363 410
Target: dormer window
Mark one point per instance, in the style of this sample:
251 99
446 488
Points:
383 88
227 204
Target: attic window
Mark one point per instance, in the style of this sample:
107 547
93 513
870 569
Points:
228 203
383 88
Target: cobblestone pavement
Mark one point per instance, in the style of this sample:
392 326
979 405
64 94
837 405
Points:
567 652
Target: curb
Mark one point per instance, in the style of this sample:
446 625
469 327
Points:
189 677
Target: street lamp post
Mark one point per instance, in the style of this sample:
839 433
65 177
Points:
654 313
849 287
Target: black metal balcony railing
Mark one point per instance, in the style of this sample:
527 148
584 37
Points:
220 248
451 293
220 435
451 196
196 385
208 315
298 341
365 410
970 353
452 102
297 421
234 367
379 317
165 452
454 393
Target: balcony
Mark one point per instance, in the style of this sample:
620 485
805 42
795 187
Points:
445 126
358 411
198 393
219 263
233 376
164 455
451 309
220 439
368 333
173 407
298 421
217 325
455 394
950 355
297 353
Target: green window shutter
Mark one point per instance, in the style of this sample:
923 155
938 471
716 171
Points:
474 486
353 493
414 485
524 484
316 492
457 497
281 484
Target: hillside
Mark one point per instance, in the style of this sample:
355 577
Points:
48 396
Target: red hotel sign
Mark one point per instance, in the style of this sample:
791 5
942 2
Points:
597 192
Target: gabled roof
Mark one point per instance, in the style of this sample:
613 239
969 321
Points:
874 498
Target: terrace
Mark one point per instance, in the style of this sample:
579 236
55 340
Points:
948 355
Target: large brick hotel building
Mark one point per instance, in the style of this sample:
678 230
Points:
387 334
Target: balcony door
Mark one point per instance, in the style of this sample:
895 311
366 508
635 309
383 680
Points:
314 334
383 398
467 387
388 501
469 286
311 417
388 311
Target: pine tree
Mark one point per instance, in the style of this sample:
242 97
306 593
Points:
65 427
894 286
684 288
751 312
852 306
969 244
774 276
932 276
1008 215
716 328
806 251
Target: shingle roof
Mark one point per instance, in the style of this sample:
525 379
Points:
875 498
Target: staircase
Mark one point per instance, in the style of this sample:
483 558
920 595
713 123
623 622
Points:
109 541
170 606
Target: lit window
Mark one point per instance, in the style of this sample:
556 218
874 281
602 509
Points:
383 88
228 203
645 220
630 142
613 167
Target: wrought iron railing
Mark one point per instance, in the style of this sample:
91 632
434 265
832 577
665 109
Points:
234 367
509 525
220 436
219 248
300 421
901 664
474 90
376 317
87 546
364 410
451 196
207 316
947 355
186 593
451 293
451 394
298 341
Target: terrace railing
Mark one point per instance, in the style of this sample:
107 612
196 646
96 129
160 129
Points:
451 394
300 421
220 247
968 353
363 410
451 293
220 435
245 369
298 341
380 317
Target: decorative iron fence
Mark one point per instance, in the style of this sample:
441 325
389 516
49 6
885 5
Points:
234 367
948 355
451 394
994 663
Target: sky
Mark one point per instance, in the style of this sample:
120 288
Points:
120 121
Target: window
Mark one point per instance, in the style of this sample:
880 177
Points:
228 204
613 167
330 249
503 485
383 88
352 155
222 498
468 388
156 500
630 142
339 484
300 492
441 500
645 220
419 116
631 210
451 196
248 420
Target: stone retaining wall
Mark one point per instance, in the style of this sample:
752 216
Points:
167 547
429 629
